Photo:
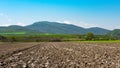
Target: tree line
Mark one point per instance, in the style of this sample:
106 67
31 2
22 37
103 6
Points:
56 38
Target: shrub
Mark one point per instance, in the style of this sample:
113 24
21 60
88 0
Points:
89 36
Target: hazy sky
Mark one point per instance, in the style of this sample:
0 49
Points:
85 13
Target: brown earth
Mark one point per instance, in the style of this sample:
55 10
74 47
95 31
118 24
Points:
6 48
60 55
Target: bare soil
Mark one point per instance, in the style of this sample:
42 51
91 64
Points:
6 48
60 55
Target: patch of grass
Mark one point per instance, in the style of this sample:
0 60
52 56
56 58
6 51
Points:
13 33
101 41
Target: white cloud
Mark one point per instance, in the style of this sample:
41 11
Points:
86 25
66 22
4 24
20 23
81 24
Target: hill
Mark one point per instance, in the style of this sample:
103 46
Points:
115 33
15 29
51 27
61 28
98 31
57 28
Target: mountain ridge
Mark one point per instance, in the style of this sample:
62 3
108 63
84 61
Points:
55 28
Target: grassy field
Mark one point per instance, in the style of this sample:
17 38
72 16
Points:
100 41
21 37
13 33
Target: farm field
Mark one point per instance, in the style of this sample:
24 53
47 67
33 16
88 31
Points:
6 48
60 55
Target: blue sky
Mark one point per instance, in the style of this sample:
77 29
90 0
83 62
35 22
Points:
84 13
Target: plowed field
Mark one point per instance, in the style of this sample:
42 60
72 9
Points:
60 55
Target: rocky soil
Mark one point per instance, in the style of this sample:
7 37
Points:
64 55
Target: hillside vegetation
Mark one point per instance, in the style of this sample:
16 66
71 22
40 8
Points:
52 28
115 33
54 37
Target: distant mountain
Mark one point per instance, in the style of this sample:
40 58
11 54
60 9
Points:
57 28
115 33
16 29
98 31
61 28
52 27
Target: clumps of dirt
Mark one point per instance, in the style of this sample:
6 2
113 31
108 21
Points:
65 55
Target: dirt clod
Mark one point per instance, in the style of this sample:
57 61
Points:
65 55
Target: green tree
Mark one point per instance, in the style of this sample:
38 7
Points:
89 36
13 39
2 38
